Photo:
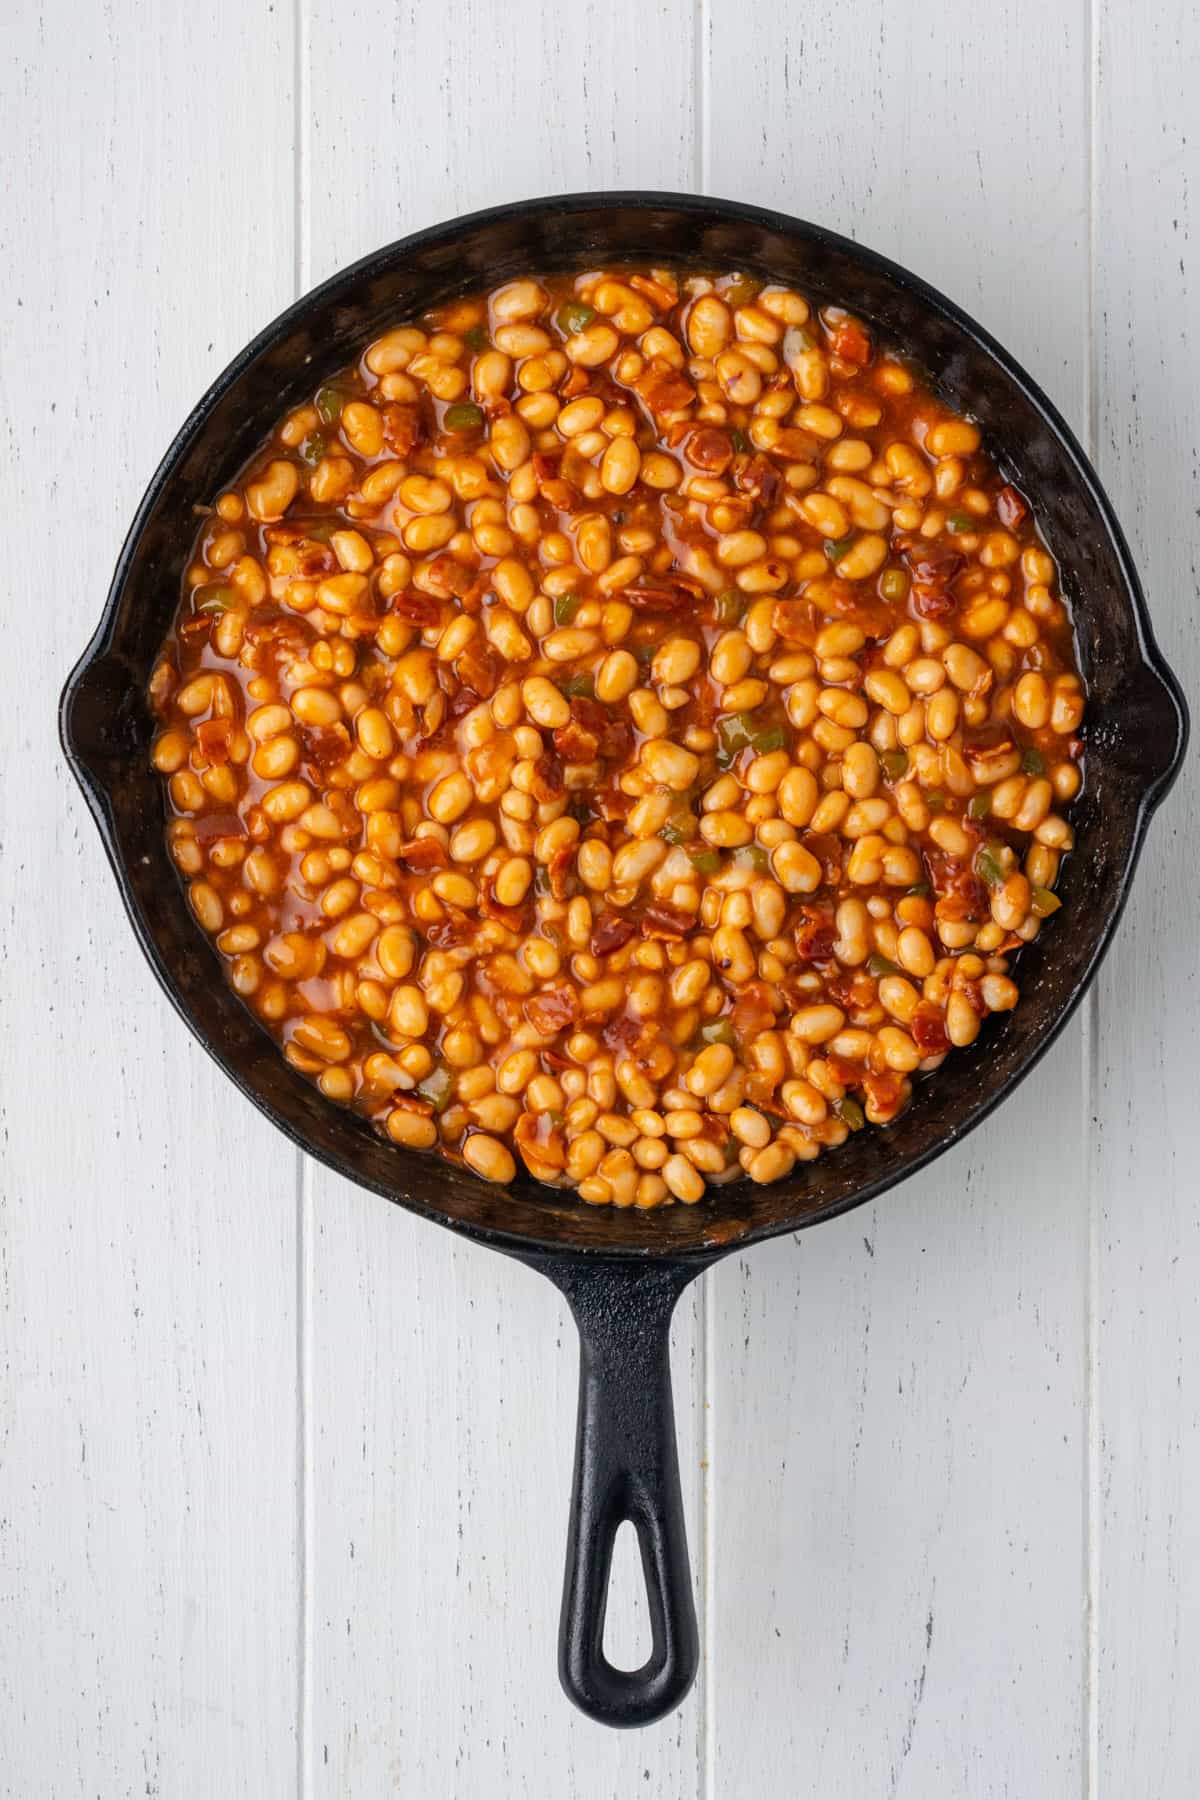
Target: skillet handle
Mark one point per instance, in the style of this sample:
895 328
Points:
626 1467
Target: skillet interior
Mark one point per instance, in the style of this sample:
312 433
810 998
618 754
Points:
1135 728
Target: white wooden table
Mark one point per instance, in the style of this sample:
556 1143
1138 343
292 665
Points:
283 1471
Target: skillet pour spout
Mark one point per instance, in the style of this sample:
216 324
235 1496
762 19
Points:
622 1272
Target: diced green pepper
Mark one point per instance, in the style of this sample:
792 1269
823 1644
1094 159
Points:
935 800
565 608
881 965
475 338
980 806
704 860
920 890
728 607
437 1087
679 829
644 653
741 290
734 732
214 597
740 442
464 415
836 548
1045 902
321 530
312 449
573 315
1033 762
894 764
580 686
752 856
893 584
541 879
961 521
850 1112
988 865
719 1032
330 401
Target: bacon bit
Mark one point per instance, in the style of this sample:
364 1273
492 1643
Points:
447 577
423 853
513 918
656 292
219 825
754 1011
1011 509
478 670
547 782
938 564
622 1033
662 920
883 1089
456 928
416 609
409 1103
710 449
617 741
928 1030
611 804
756 475
214 738
845 1069
815 937
610 931
195 629
931 602
551 1010
796 445
849 340
559 870
664 593
664 389
325 746
574 744
972 993
552 485
540 1152
793 620
845 600
402 428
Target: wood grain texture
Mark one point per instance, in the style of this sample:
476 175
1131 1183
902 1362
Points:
898 1399
148 1551
283 1475
1146 1463
443 1377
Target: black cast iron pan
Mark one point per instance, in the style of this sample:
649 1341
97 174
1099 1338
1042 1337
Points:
623 1272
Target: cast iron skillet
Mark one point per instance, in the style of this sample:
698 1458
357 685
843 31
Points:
623 1272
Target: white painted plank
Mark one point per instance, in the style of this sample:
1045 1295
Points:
443 1378
898 1581
147 1246
1147 414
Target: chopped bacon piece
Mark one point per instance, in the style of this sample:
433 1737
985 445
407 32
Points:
514 918
664 593
214 738
547 783
656 292
664 389
423 853
927 1028
756 475
617 741
972 993
883 1089
219 825
552 1009
479 670
325 746
930 601
415 608
402 428
622 1033
561 864
844 1069
610 931
446 576
410 1104
612 804
456 928
575 744
709 448
542 1150
815 937
850 340
1011 509
662 920
754 1011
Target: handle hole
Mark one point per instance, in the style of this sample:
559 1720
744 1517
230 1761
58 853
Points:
627 1636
